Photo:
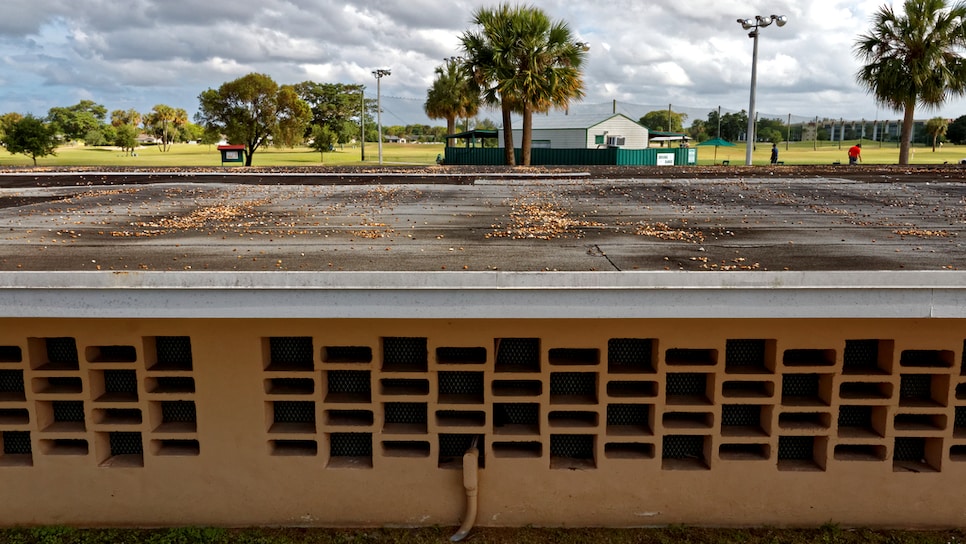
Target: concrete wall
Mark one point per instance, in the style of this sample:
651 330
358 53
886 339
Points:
733 418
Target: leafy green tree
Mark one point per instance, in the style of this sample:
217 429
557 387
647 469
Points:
251 110
771 136
210 136
323 139
294 116
540 68
191 132
913 58
32 137
452 95
936 129
7 121
100 136
658 120
125 124
336 106
956 133
733 125
73 122
698 130
126 137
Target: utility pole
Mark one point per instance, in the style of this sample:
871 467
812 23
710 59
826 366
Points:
379 75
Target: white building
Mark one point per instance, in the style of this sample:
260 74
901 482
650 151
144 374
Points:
584 131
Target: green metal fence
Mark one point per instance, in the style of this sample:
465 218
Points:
492 156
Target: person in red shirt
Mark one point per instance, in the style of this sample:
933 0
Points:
855 154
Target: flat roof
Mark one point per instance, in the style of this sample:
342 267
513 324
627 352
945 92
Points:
450 220
489 243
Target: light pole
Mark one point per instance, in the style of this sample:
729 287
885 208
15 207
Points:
362 118
379 74
754 25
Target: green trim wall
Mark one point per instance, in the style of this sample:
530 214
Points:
493 156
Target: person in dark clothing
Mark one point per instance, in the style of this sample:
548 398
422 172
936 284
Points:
774 153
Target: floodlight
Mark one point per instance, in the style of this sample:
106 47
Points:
780 20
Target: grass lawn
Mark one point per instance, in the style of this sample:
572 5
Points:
828 153
203 155
425 154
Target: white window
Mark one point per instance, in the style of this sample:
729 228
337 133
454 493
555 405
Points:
615 140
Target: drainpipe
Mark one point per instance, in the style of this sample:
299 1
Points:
471 483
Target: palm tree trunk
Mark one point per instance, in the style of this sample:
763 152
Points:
905 142
510 155
527 142
450 129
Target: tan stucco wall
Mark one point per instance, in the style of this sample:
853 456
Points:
238 474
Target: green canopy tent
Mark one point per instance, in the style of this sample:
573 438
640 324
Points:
717 142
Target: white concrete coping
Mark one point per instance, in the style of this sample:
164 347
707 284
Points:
501 295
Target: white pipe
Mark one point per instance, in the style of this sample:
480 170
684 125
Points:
471 483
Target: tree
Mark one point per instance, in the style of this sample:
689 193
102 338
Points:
658 120
956 133
294 116
337 106
126 137
125 117
73 122
7 121
913 59
733 125
323 139
251 110
452 95
489 53
698 130
101 136
32 137
531 60
166 123
936 128
191 132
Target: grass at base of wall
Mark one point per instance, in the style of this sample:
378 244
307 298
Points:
829 534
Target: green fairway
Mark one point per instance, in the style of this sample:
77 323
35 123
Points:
425 154
829 152
204 155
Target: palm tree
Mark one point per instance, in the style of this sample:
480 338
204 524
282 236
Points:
527 61
936 127
547 70
913 59
452 95
488 58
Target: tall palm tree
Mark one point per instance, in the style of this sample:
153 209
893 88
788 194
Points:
452 95
548 70
489 53
913 58
529 62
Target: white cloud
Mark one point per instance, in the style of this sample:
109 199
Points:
692 54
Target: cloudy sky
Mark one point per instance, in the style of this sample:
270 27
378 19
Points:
691 54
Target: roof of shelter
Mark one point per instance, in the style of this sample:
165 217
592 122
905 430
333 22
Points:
560 121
